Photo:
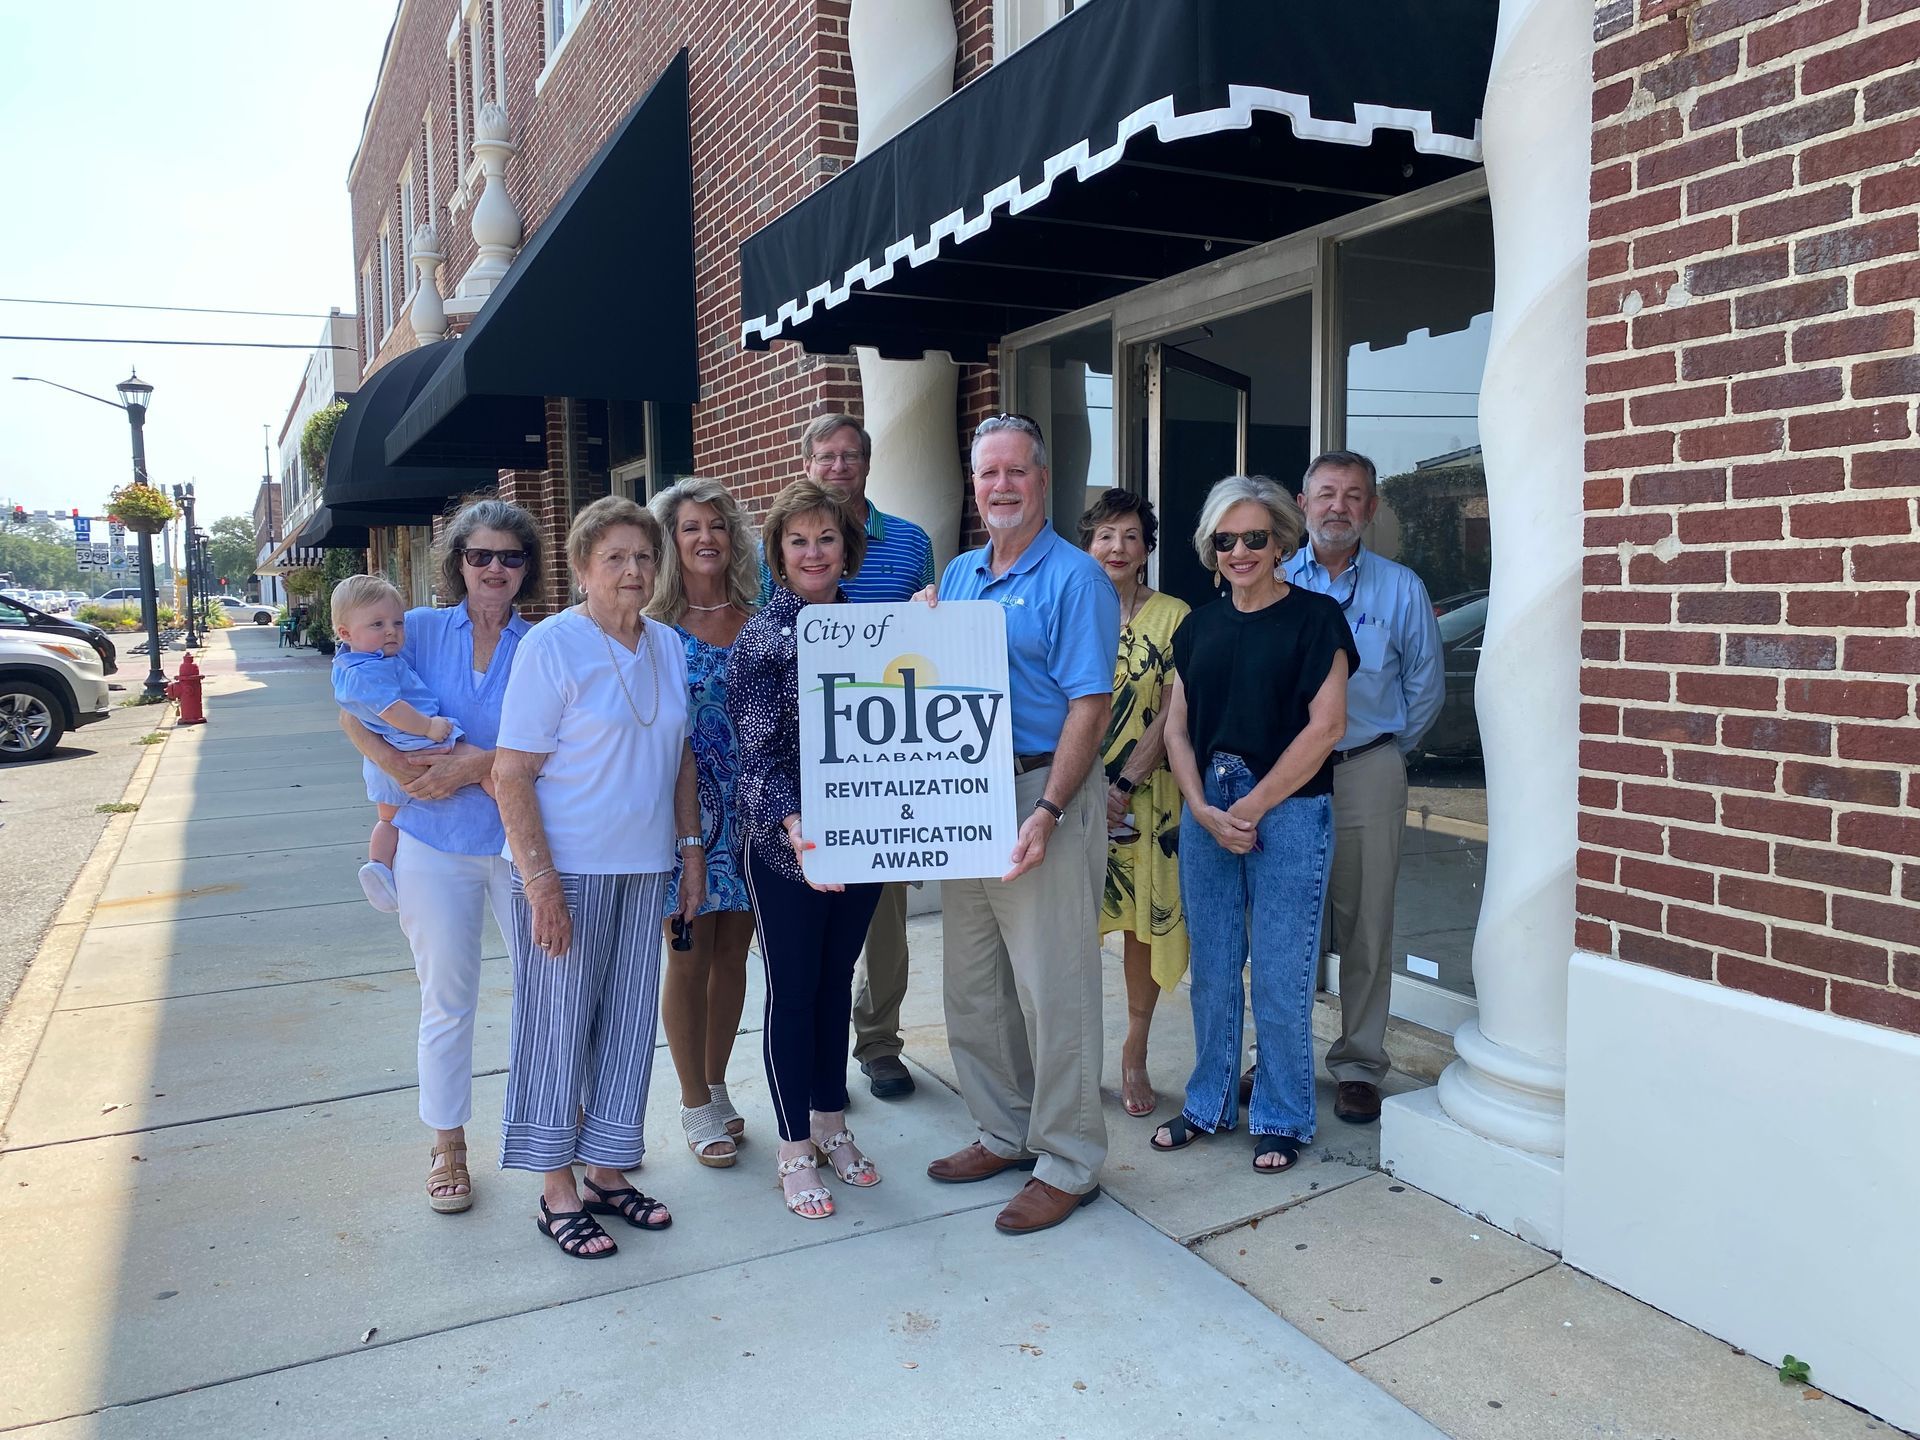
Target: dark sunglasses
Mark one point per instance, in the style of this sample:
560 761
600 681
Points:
1225 540
481 559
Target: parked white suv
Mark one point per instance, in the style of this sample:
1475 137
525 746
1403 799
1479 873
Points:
49 684
126 598
241 612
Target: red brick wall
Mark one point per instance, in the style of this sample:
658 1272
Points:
772 116
1750 762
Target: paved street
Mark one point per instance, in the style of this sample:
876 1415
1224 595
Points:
47 812
211 1203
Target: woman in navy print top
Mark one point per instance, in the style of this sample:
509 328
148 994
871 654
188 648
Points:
810 935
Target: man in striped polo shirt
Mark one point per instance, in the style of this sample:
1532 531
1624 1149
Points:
837 452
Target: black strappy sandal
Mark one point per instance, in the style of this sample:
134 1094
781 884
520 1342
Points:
629 1204
1285 1146
572 1230
1179 1135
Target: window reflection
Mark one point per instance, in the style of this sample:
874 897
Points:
1067 385
1415 311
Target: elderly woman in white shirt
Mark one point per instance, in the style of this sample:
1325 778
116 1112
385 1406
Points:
597 789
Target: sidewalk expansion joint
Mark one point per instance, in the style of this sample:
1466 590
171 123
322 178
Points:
228 1115
1552 1263
851 1236
1280 1209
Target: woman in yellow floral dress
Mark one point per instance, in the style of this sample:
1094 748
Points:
1142 895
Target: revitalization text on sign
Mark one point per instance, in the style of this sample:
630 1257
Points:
906 743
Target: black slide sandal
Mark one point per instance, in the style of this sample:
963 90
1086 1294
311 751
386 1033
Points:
1285 1146
571 1230
629 1204
1179 1135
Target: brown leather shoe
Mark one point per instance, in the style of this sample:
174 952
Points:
1039 1206
1358 1103
976 1162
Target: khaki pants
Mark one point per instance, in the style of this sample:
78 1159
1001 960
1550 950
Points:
1369 821
880 985
1023 995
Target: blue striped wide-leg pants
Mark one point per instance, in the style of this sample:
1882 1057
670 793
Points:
583 1027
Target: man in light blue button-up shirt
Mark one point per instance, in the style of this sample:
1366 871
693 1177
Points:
1392 700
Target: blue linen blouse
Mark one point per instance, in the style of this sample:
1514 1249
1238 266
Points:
439 646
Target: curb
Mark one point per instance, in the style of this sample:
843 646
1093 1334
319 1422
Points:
25 1020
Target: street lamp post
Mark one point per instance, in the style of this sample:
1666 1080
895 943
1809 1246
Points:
183 495
135 396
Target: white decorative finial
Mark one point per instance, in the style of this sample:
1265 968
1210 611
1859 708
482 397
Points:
496 224
429 314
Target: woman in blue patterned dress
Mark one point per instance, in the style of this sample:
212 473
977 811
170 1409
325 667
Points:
709 581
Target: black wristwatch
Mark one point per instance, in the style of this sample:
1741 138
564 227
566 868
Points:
1125 786
1052 809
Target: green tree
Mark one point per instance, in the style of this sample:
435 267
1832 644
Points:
230 544
38 564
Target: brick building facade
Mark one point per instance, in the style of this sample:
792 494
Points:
752 160
1719 788
1748 781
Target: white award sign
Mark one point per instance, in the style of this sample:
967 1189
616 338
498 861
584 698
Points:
906 742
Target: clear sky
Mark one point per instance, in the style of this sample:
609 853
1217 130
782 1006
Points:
190 153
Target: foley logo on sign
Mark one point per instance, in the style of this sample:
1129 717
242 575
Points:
906 743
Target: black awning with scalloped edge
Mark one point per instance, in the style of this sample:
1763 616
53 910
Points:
1133 140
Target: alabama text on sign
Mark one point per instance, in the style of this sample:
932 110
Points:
906 743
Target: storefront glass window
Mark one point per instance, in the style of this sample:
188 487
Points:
1067 385
1415 308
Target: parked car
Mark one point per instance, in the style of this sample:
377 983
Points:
75 599
18 615
242 612
49 684
126 599
1456 733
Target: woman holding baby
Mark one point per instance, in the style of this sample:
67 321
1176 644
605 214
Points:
447 866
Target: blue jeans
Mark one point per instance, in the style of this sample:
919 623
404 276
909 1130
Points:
1273 895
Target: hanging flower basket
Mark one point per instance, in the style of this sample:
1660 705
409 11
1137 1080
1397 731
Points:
143 509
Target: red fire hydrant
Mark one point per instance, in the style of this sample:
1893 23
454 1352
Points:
186 689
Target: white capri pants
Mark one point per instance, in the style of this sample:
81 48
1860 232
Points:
443 904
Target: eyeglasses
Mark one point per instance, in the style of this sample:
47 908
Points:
849 458
481 559
1225 540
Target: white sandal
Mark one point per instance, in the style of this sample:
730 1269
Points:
813 1195
860 1173
706 1127
736 1123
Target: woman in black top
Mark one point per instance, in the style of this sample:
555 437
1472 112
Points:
1258 701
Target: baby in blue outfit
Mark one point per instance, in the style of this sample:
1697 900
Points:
372 683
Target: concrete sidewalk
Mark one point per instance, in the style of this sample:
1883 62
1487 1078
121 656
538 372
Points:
211 1201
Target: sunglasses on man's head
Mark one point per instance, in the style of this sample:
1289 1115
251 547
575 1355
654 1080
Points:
1225 540
1008 417
481 559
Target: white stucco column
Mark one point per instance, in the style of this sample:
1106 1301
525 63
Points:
903 53
1489 1137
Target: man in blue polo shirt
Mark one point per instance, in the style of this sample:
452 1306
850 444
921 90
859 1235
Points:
1023 981
1392 700
838 452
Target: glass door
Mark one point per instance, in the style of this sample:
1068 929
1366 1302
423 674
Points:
1197 415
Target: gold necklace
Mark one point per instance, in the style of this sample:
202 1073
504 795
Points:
652 669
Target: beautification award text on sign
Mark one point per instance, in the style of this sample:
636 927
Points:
906 742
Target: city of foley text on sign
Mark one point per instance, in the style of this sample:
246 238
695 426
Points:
906 742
